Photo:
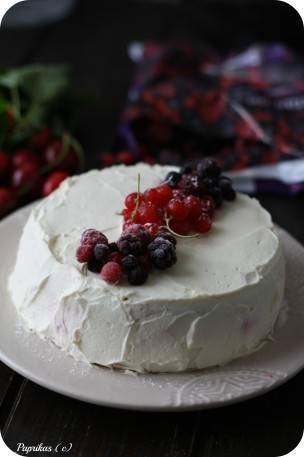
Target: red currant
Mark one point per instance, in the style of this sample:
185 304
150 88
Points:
41 138
4 164
131 200
152 196
194 205
177 193
107 159
181 227
152 228
125 157
111 272
127 213
164 194
177 209
202 224
148 213
53 181
53 156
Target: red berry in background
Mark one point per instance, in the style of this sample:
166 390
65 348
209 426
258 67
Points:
53 181
150 160
194 206
52 156
177 209
41 138
111 272
85 253
107 159
4 164
208 205
7 200
181 227
26 175
202 224
10 118
125 157
24 156
131 200
164 194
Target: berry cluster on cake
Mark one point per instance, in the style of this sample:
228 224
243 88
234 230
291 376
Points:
150 268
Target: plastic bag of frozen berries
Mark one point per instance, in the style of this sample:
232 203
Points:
245 109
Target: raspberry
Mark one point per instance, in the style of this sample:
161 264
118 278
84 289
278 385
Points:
140 232
130 244
92 237
208 168
181 227
148 213
166 236
131 200
95 266
101 252
164 194
115 257
173 178
129 262
194 206
162 253
177 209
111 272
202 224
137 276
84 253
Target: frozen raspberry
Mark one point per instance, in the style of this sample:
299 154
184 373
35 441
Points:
162 254
140 232
101 252
130 244
111 272
92 237
115 257
208 168
137 276
129 262
84 253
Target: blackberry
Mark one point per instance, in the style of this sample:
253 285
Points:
140 232
208 168
162 253
101 252
186 170
113 247
228 192
95 266
130 244
217 196
173 178
137 276
128 263
166 236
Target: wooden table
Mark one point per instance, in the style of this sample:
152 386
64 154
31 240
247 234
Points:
93 41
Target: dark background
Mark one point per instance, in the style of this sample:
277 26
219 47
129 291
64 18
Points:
93 41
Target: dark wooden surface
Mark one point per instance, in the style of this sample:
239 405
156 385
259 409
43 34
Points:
93 41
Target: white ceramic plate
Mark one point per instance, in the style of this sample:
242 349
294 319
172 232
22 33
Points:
245 378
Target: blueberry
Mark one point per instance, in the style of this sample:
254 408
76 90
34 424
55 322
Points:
137 276
129 262
173 178
101 252
228 192
208 168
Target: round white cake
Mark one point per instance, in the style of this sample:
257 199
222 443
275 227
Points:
219 301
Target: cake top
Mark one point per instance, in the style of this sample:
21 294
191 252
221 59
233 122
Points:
230 257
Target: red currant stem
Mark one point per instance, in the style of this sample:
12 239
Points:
167 226
84 269
16 102
137 198
62 155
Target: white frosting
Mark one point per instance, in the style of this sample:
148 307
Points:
220 301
